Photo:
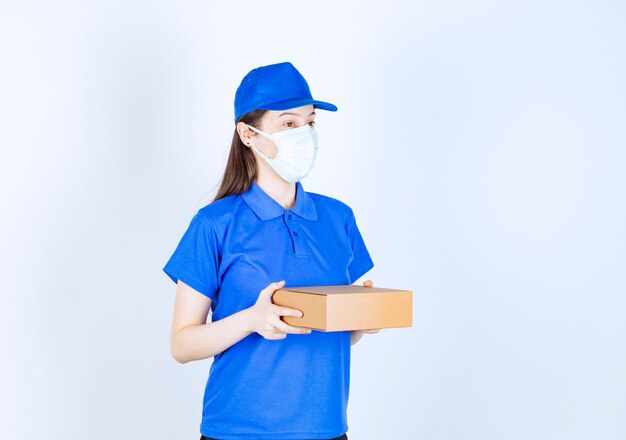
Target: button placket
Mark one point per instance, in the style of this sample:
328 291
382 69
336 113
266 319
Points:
299 247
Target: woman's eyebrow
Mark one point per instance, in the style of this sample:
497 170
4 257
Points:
294 114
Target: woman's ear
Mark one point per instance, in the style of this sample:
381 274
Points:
245 134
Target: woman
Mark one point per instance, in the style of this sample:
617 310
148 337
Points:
268 380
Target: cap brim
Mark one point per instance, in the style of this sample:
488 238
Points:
301 102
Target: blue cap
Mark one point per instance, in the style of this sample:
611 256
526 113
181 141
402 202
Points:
275 87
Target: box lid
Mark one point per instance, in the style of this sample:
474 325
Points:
331 290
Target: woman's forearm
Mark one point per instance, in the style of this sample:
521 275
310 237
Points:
202 341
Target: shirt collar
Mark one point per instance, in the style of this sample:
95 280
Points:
267 208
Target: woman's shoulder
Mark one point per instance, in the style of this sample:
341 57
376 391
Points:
331 204
220 211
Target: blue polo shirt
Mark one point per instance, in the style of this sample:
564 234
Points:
292 388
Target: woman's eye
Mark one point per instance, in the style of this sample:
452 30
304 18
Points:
291 124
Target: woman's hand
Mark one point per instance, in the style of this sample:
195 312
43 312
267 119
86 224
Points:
264 316
369 283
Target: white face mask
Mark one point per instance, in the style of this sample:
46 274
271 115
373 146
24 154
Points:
297 149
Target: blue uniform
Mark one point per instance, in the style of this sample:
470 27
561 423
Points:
291 388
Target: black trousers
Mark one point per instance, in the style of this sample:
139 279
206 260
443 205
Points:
343 437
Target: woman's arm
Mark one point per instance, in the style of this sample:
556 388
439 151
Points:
355 336
193 338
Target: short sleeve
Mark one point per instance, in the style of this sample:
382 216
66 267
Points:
361 260
196 259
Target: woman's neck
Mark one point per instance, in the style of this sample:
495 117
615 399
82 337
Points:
284 193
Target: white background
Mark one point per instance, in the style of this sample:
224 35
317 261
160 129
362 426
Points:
481 145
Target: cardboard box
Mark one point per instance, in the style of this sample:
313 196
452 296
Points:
353 307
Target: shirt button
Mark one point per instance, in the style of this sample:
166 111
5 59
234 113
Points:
295 233
289 216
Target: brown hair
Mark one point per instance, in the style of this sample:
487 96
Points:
241 167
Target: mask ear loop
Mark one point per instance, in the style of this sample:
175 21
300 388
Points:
267 135
259 152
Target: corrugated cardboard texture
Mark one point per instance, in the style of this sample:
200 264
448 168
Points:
338 308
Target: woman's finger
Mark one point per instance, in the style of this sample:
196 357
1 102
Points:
286 328
274 335
286 311
269 290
